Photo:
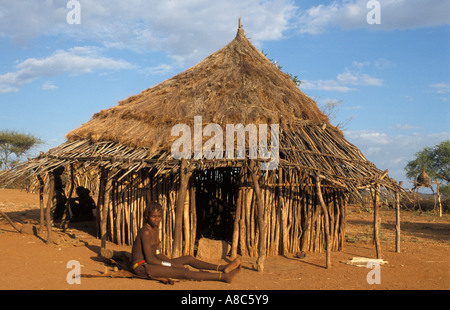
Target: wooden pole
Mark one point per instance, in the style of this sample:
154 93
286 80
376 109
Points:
41 204
438 184
103 210
48 216
100 199
283 215
186 223
67 211
397 220
185 174
376 220
237 217
245 249
327 223
193 207
261 222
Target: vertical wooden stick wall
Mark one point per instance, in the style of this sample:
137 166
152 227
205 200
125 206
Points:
293 218
48 211
261 216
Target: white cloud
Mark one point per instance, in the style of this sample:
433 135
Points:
405 127
159 69
345 81
327 85
395 14
360 64
75 60
441 88
48 85
354 78
187 30
7 89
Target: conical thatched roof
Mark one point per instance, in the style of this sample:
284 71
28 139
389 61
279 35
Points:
236 84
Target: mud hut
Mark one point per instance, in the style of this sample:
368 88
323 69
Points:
125 156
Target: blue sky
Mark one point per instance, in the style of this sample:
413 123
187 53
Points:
392 78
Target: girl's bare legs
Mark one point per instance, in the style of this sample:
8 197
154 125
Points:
199 264
157 271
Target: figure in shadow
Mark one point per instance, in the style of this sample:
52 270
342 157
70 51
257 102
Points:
82 207
59 197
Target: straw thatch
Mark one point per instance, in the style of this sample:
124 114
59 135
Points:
236 84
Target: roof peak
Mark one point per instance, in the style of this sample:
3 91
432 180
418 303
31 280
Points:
240 31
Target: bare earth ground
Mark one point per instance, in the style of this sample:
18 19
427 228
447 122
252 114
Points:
28 263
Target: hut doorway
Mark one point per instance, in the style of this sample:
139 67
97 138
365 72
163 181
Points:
216 192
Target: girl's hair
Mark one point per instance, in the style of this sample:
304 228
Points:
151 206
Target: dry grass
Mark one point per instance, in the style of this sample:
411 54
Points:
236 84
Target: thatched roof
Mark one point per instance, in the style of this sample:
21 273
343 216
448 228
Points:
236 84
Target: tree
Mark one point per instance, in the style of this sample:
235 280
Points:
331 109
14 145
435 161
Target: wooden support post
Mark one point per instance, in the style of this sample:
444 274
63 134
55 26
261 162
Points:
438 184
328 240
104 210
376 220
186 223
41 204
283 214
67 212
397 221
261 222
100 199
185 174
48 215
237 217
193 207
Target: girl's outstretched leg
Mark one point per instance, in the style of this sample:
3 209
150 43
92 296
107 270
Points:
156 271
199 264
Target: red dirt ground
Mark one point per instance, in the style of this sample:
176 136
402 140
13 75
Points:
28 263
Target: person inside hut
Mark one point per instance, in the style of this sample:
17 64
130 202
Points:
148 261
59 197
83 205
